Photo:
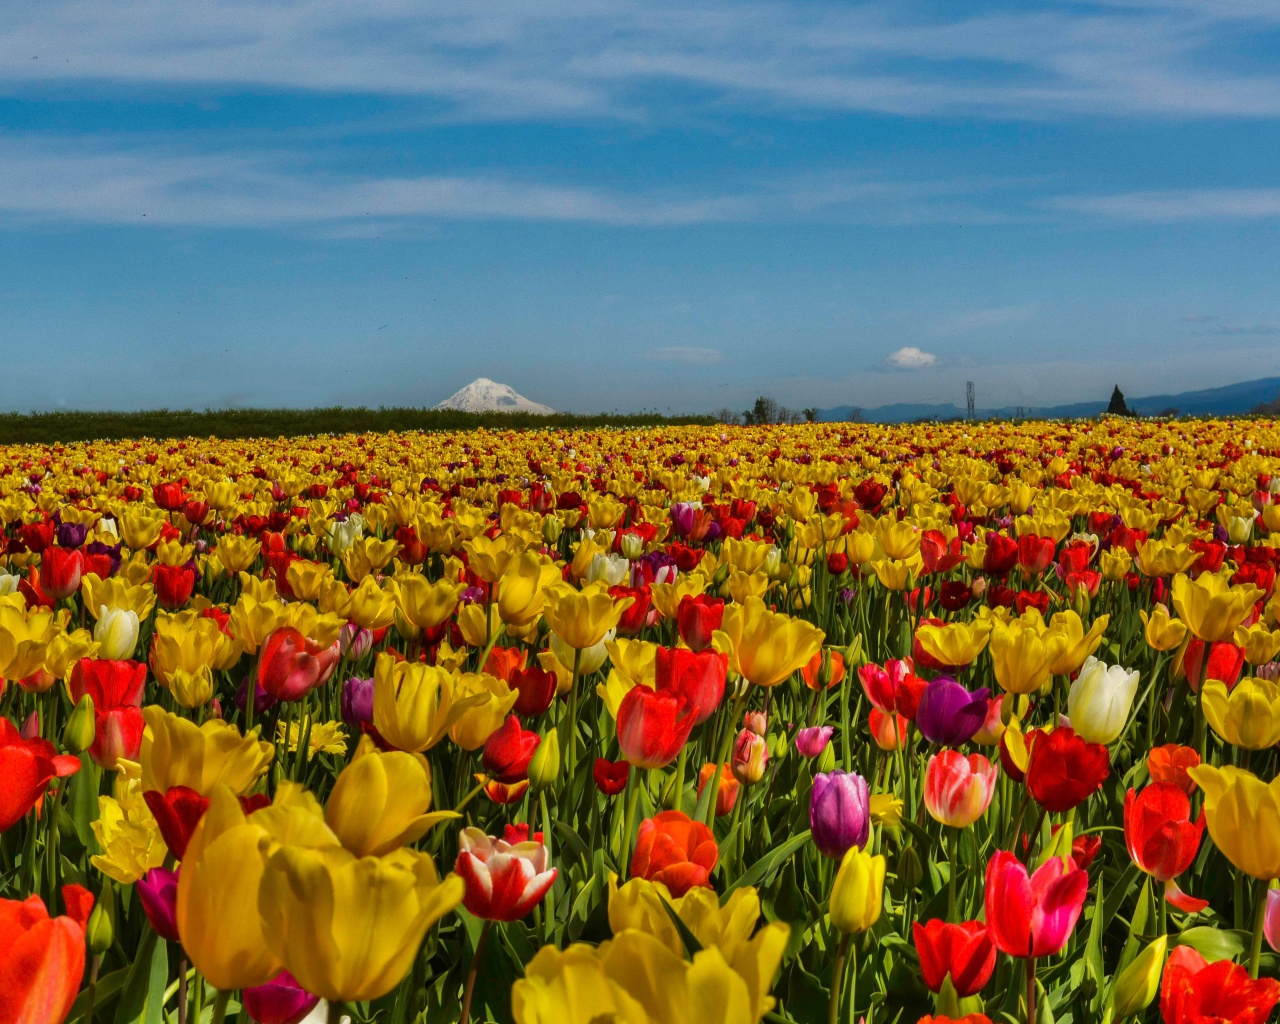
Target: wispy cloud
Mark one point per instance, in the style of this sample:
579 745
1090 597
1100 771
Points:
520 58
909 357
1163 206
971 320
1245 330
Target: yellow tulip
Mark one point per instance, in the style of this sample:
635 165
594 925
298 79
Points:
488 701
177 752
24 640
899 539
185 643
322 628
423 603
127 833
894 574
1260 644
954 643
635 659
1079 644
348 927
1247 716
581 618
138 528
858 892
1023 653
667 596
238 553
321 737
521 590
66 649
1163 632
217 906
1210 606
476 629
1158 558
489 558
307 579
1243 815
372 607
366 556
572 987
414 704
252 621
380 799
767 647
1114 564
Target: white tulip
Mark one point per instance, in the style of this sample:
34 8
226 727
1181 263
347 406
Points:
1100 699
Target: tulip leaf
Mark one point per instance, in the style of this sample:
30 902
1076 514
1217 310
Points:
133 998
571 839
690 941
1142 913
1213 943
763 869
83 801
1095 969
109 986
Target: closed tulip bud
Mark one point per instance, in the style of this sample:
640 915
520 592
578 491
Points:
99 932
1099 701
631 545
826 762
858 892
544 769
116 632
750 755
910 870
79 733
551 529
1140 981
756 721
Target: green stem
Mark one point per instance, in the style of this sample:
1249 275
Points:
470 990
220 1006
722 756
837 980
1031 990
633 796
1259 919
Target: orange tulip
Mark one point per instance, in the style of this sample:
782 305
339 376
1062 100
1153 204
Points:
41 957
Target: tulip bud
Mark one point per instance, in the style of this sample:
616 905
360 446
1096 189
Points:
116 632
827 759
544 769
1140 981
825 671
1080 601
79 733
551 529
750 755
755 721
99 933
910 870
632 546
858 892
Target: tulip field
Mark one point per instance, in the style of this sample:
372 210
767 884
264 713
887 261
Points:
718 725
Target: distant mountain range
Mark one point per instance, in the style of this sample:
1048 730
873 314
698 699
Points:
1232 399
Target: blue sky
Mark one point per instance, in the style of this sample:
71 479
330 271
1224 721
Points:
616 205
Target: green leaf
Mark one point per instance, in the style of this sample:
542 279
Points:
691 943
1213 943
109 986
83 801
133 998
764 868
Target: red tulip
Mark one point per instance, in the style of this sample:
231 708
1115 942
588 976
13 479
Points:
635 617
968 1018
697 618
117 735
1226 662
888 729
937 554
60 572
697 676
610 776
1001 554
653 726
675 850
1170 763
174 584
504 880
26 766
508 751
41 957
1063 770
177 811
290 664
503 662
1194 991
1035 553
535 690
963 951
1161 838
109 683
35 537
168 496
1032 915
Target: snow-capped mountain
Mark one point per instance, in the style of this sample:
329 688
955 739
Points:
485 395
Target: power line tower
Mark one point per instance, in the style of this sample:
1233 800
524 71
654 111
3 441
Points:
968 394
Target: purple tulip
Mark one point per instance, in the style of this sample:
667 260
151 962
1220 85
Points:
813 741
262 701
71 535
949 714
112 551
280 1001
158 891
682 518
839 812
357 702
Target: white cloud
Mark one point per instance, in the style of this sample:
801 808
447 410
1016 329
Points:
909 357
681 354
1161 206
521 58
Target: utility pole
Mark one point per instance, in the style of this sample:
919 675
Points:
968 393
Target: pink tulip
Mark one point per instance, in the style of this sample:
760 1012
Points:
504 880
1033 916
958 789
